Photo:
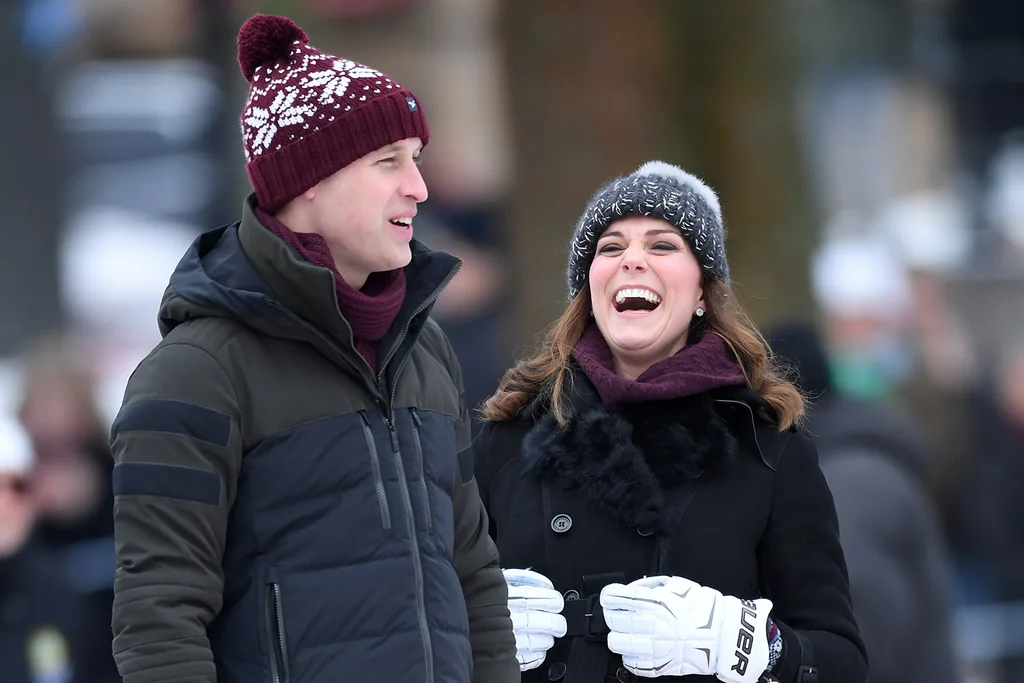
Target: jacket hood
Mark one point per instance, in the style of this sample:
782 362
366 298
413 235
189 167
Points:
214 279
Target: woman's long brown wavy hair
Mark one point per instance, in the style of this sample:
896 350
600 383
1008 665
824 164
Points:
546 374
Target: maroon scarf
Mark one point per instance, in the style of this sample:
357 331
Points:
369 311
706 364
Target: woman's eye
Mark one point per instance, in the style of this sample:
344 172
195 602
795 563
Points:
665 246
608 249
388 160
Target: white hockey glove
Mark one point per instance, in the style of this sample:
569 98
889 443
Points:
671 626
536 608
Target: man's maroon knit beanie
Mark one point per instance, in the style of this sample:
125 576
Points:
310 114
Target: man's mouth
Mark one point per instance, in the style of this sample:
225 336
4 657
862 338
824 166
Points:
635 299
401 222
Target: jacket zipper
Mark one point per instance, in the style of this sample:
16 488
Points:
417 564
378 481
405 332
417 423
275 633
389 417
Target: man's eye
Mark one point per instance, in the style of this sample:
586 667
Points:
388 160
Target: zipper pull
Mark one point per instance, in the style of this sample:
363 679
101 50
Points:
394 435
416 417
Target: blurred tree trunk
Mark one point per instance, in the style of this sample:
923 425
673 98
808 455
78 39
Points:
735 107
599 86
587 96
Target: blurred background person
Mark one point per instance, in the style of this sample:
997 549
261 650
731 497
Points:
47 634
863 293
876 463
996 519
71 480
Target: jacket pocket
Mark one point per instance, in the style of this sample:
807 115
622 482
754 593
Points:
378 481
273 612
416 424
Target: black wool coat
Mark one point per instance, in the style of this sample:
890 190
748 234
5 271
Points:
705 487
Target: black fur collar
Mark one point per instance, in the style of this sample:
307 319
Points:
628 461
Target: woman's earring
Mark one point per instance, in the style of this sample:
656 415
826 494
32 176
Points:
699 311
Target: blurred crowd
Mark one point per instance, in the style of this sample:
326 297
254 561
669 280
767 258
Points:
123 145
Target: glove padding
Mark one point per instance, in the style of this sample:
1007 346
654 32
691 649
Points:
536 608
671 626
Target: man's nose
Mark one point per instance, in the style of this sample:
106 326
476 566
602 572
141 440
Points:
414 186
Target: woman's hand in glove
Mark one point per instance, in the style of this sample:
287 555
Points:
536 608
671 626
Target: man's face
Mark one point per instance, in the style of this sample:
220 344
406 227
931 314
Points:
365 211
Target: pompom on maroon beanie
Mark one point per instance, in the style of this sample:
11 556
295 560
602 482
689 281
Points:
310 114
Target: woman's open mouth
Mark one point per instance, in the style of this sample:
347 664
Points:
635 299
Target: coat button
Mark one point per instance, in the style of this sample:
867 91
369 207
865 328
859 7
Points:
571 595
624 675
561 523
556 671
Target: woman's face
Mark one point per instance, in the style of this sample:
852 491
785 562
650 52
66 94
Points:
645 285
